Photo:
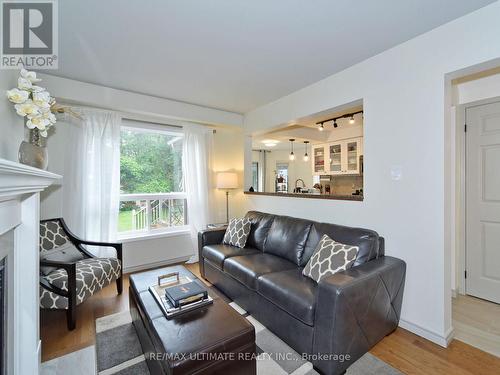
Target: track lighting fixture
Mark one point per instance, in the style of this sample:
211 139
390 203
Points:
292 155
349 116
306 157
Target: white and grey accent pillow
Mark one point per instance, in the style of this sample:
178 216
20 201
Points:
64 253
237 232
328 258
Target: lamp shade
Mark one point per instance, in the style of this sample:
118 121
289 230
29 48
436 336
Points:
227 180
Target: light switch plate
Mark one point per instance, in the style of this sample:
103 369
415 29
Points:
396 173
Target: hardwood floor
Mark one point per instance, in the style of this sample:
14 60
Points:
477 322
57 340
403 350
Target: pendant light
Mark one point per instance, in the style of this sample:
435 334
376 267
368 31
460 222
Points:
335 123
292 155
351 120
306 157
321 127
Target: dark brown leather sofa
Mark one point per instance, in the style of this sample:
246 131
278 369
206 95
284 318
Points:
334 322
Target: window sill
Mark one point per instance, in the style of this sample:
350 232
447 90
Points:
140 236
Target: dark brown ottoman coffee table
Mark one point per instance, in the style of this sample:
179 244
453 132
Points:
214 339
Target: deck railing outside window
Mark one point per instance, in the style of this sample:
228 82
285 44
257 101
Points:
152 212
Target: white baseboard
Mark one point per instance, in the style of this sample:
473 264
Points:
426 334
450 335
146 266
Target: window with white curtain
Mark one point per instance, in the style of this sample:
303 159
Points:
152 197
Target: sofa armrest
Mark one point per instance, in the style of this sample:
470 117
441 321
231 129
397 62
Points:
355 309
208 237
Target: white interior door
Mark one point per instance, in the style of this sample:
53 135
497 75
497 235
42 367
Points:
483 201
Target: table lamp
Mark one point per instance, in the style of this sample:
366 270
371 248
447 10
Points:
227 181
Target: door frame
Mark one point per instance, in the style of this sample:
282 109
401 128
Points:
461 117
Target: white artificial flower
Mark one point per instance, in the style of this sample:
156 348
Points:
47 114
30 76
52 118
17 96
37 122
42 99
24 84
28 108
35 88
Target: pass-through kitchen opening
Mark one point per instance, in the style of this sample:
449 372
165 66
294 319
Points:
318 156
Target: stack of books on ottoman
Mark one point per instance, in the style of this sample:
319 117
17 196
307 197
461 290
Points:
177 295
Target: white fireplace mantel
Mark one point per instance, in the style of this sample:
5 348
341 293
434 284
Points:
20 186
18 179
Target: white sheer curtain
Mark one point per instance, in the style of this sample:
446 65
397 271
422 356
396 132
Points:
197 169
92 176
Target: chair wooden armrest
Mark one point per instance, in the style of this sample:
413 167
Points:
70 294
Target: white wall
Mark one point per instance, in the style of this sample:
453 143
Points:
51 199
228 157
11 125
407 82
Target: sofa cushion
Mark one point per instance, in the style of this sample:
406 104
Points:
216 254
247 268
237 232
291 291
67 253
328 258
367 240
287 238
260 224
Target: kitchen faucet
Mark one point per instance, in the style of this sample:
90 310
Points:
303 183
297 189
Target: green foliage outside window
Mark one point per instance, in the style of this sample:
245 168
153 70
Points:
150 163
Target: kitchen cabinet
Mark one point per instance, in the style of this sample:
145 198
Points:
338 158
318 159
352 154
336 154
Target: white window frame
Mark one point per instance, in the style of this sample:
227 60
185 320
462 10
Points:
148 232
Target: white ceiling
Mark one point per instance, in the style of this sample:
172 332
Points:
235 54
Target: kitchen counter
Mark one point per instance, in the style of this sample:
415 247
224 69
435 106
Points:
358 198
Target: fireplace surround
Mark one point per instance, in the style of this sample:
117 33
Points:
3 317
20 186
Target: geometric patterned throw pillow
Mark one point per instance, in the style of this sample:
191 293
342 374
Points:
237 232
328 258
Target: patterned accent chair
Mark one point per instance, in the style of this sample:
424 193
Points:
71 283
